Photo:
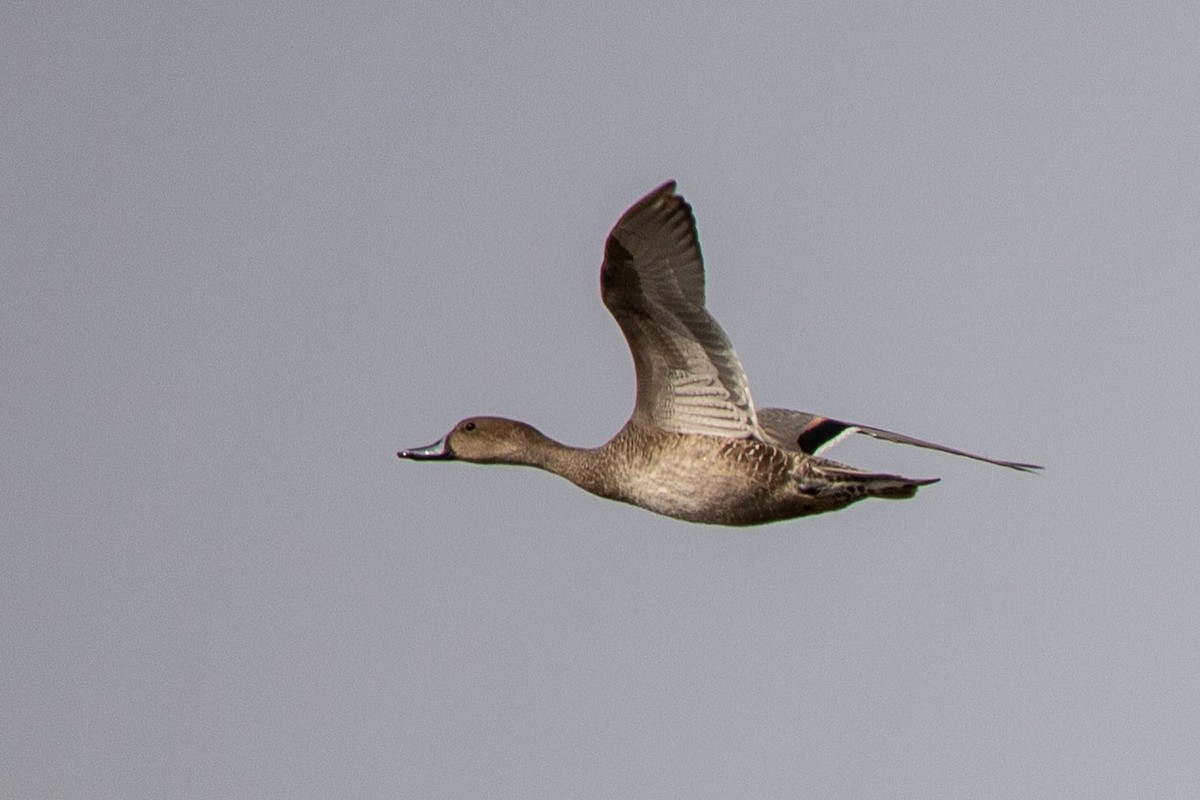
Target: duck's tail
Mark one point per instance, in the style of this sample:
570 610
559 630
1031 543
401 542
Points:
836 479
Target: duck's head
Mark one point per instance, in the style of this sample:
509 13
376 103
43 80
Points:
484 440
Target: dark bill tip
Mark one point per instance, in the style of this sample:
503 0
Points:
437 450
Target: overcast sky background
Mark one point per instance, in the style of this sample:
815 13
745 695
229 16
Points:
251 250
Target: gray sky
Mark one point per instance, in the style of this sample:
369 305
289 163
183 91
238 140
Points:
250 251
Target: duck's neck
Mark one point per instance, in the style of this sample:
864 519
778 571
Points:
582 466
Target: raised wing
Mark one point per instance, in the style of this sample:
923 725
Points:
689 379
809 433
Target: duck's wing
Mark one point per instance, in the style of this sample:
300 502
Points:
809 433
689 380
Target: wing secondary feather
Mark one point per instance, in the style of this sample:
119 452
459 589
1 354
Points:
689 379
810 433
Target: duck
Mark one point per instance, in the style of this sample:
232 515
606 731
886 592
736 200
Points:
695 447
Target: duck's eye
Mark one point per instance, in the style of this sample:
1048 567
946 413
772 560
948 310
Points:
470 426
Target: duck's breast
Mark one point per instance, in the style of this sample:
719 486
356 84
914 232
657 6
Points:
705 478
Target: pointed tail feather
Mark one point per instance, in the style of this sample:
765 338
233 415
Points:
839 480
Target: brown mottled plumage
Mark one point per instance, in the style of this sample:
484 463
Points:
694 448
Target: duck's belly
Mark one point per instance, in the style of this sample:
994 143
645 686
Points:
746 484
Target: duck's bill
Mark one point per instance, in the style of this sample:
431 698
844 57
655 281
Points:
430 452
